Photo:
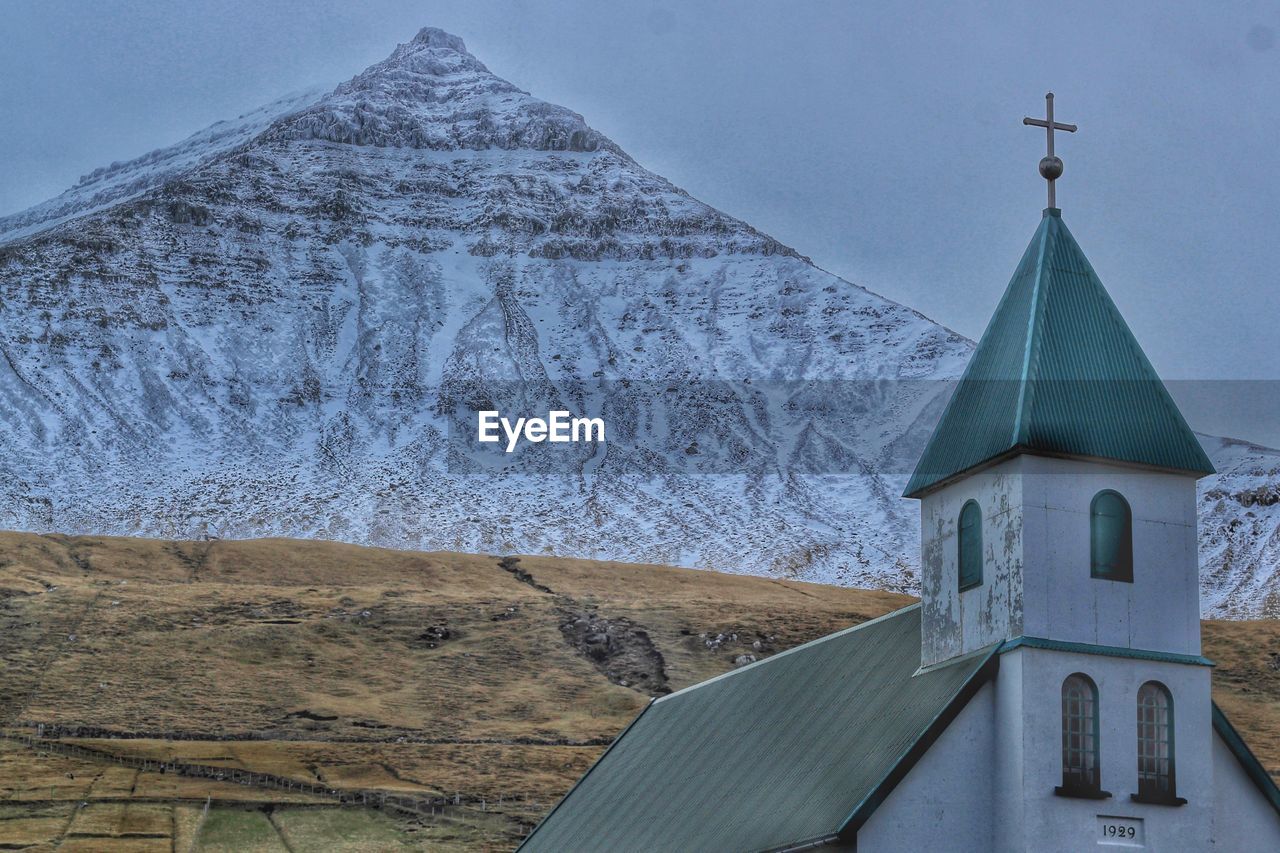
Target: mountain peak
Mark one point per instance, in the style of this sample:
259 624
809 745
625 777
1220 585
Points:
433 52
431 93
434 37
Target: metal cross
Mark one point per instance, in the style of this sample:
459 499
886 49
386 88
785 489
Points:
1051 165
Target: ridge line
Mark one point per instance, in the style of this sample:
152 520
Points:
1032 315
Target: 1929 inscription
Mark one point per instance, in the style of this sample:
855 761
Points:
1120 831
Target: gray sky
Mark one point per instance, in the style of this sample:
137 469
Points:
883 140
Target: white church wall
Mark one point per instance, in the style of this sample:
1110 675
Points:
1036 571
1242 819
1029 753
944 803
1008 807
1160 609
954 622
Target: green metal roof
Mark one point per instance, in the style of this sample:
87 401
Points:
1058 371
1104 651
798 747
1248 761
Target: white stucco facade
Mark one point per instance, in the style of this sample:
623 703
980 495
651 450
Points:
994 778
948 794
1036 560
987 783
1242 817
1028 715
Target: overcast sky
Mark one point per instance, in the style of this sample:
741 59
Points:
882 140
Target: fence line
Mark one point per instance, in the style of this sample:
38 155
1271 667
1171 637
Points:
417 806
75 730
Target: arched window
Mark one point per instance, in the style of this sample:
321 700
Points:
1156 777
1081 774
969 546
1111 537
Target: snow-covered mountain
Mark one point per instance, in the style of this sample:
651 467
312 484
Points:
109 185
1240 530
284 325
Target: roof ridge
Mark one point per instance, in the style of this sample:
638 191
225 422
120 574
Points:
881 618
1031 348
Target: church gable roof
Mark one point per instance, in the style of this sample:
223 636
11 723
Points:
1248 761
799 747
1058 371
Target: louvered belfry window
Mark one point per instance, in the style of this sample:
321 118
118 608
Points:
1111 537
969 545
1080 765
1155 742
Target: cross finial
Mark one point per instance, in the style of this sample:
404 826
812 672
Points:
1051 165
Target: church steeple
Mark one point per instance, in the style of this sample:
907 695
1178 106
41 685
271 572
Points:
1058 491
1058 372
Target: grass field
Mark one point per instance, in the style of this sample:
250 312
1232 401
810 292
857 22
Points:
433 675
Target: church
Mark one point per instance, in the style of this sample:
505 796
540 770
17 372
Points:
1048 693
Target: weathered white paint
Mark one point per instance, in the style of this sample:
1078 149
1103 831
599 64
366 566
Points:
945 801
1037 583
1242 819
1036 561
952 622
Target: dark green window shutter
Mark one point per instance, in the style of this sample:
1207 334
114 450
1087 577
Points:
970 546
1111 537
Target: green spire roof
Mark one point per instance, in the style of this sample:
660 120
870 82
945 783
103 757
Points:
1057 371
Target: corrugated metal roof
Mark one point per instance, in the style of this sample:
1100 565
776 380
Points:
1248 761
783 751
1058 371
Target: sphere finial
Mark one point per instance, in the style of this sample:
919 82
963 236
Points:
1051 167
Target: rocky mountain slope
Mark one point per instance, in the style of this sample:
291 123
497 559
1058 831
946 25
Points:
1240 530
284 326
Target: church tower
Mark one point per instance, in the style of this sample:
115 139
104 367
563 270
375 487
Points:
1058 519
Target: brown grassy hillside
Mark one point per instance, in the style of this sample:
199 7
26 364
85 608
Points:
493 683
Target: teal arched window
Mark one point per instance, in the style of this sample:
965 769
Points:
1081 771
1111 537
1155 743
969 545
